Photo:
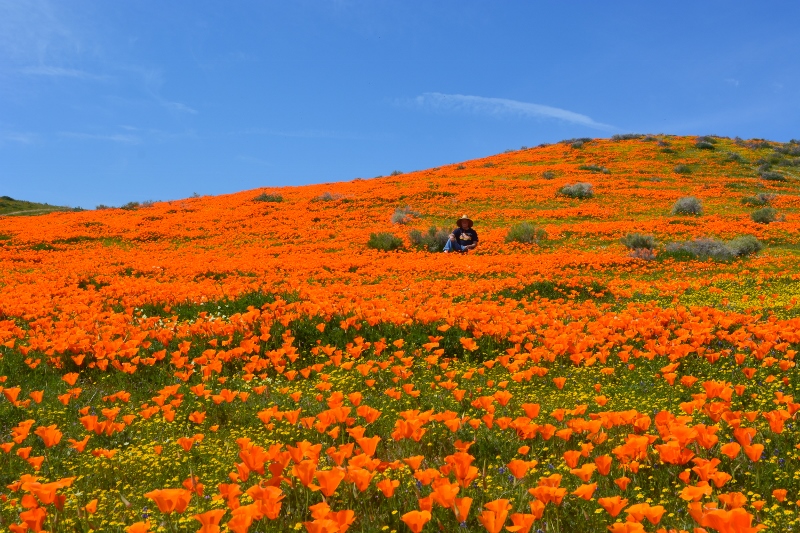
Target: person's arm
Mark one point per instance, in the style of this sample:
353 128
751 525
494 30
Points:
475 242
453 234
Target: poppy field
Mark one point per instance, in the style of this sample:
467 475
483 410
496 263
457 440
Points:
247 363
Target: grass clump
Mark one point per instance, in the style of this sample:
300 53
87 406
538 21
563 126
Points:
638 241
525 232
626 136
404 215
745 245
264 197
765 215
594 168
548 174
771 175
688 205
384 241
433 240
762 198
708 248
578 190
327 196
682 169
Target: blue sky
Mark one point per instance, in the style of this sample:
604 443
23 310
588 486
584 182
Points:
111 102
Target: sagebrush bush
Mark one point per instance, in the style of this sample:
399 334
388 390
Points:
594 168
404 215
525 232
384 241
770 175
327 196
704 145
577 190
762 198
626 136
682 169
645 254
745 245
637 241
707 248
688 205
703 248
130 206
764 215
264 197
548 174
432 241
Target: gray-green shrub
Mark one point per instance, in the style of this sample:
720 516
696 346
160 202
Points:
638 241
745 245
264 197
404 215
432 241
384 241
577 190
688 205
762 198
682 169
525 232
765 215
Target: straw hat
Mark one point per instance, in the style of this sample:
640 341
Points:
464 217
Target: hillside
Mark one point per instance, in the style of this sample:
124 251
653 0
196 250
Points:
10 207
257 337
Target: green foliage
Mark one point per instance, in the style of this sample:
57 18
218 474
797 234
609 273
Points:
595 168
525 232
548 174
264 197
10 206
769 175
764 215
404 215
682 169
433 240
553 291
626 136
637 241
130 206
688 205
745 245
759 199
384 241
708 248
396 173
578 190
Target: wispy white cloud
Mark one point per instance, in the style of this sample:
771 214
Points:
114 137
20 137
254 160
301 134
45 70
503 107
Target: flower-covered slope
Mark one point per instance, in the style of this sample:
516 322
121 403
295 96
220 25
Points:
248 362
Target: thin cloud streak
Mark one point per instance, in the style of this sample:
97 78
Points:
118 137
44 70
302 134
17 137
503 106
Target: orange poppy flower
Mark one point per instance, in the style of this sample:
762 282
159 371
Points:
416 520
170 500
613 505
210 520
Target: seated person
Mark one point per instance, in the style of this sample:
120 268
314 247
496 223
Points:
463 238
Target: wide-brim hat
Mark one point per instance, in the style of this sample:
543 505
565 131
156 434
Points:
464 217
